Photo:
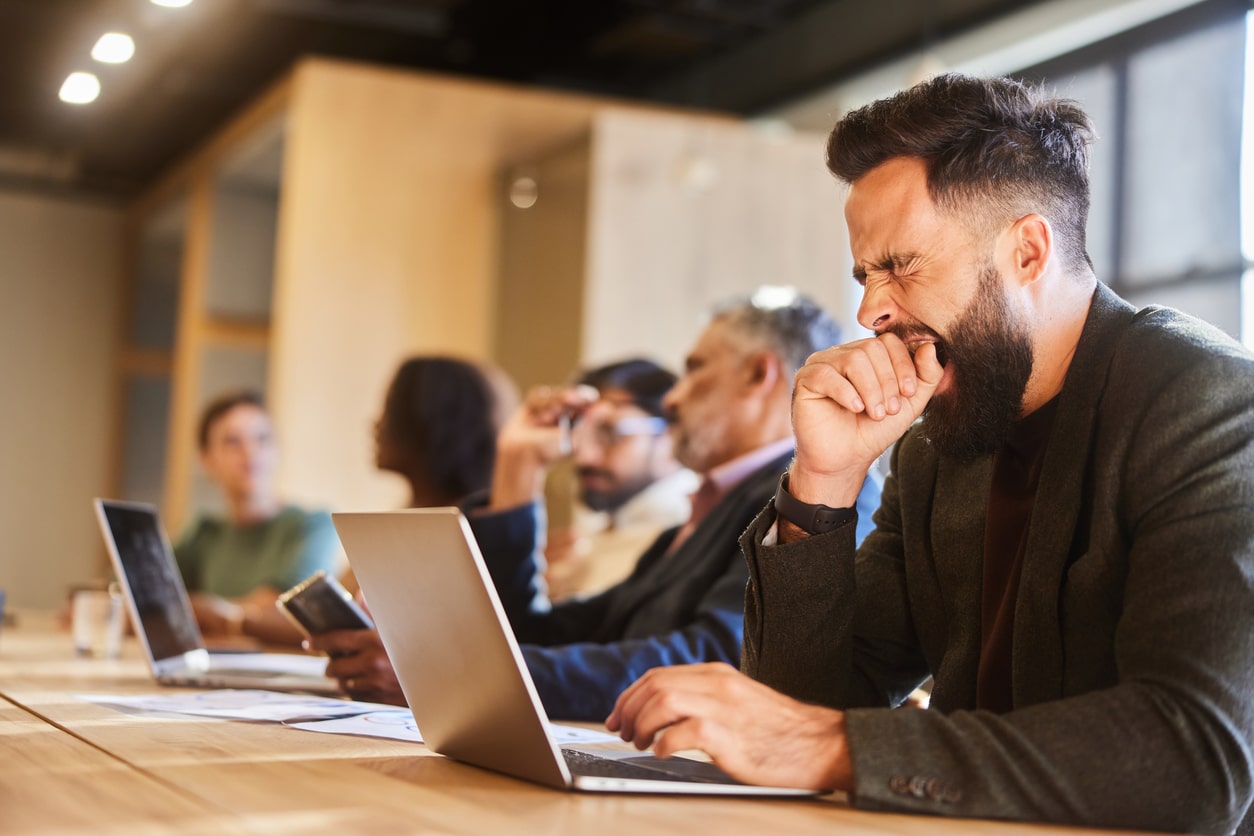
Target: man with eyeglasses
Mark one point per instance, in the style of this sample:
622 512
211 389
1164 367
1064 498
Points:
629 487
684 601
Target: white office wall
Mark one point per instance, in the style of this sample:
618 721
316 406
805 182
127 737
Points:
685 214
60 280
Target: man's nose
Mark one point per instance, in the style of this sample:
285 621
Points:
877 310
586 451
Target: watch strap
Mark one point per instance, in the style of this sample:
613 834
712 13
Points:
812 519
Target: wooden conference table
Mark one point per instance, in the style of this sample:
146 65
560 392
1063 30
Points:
70 766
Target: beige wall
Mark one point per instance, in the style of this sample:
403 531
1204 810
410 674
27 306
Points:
60 284
685 214
542 268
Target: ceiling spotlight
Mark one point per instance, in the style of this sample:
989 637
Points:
113 48
80 88
172 4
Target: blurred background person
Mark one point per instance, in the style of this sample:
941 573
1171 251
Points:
438 431
630 488
236 565
438 427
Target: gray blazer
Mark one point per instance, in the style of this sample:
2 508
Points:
1133 656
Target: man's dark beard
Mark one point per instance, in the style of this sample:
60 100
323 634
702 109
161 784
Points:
991 357
612 498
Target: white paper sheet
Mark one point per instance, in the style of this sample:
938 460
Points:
316 714
232 704
398 724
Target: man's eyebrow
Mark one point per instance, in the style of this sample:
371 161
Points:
889 262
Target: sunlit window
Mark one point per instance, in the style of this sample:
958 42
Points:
1247 189
1170 220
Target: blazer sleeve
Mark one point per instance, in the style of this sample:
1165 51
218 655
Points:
811 589
580 681
511 543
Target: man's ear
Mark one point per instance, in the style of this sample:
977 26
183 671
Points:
765 370
1032 242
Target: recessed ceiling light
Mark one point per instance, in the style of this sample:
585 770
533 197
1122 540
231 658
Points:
80 88
113 48
172 4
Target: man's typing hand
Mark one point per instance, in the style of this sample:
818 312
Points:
755 734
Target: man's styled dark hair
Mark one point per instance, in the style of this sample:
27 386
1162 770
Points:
220 406
996 149
787 321
644 380
442 414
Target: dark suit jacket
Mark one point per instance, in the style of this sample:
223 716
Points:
1133 655
682 608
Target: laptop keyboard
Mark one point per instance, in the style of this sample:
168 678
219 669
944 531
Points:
645 767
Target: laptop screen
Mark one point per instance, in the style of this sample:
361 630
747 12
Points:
153 579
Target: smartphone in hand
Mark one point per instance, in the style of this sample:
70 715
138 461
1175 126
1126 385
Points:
320 604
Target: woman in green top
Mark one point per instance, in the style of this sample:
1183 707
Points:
236 566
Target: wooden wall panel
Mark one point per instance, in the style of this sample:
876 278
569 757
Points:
543 267
387 246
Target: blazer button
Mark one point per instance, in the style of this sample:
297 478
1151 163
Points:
950 795
899 784
918 787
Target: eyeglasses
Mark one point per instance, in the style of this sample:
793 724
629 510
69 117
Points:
608 433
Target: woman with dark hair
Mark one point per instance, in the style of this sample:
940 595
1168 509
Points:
437 430
438 427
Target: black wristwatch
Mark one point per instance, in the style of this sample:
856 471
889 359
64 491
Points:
812 519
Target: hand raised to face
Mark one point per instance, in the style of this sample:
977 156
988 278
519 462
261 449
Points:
534 437
541 426
850 403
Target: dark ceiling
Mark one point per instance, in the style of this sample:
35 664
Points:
197 65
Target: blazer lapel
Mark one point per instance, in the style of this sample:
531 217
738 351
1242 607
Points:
957 534
1038 654
712 539
725 522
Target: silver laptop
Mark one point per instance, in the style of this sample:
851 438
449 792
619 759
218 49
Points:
162 614
459 665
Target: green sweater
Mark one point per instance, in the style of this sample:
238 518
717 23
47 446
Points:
230 560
